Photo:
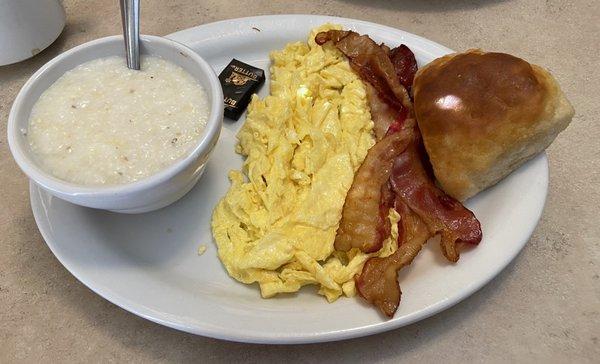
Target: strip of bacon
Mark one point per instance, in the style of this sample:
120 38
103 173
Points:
362 225
376 64
382 114
413 183
405 65
371 62
386 202
378 281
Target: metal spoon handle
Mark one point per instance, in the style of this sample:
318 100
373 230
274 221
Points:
130 16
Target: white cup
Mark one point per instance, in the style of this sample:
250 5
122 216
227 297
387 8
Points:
27 27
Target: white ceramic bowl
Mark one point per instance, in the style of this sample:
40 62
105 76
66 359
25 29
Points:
151 193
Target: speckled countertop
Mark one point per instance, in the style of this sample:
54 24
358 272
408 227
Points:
544 307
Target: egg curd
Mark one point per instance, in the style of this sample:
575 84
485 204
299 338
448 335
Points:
277 223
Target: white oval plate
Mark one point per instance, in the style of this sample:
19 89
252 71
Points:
148 264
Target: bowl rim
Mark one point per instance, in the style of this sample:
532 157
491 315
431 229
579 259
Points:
202 148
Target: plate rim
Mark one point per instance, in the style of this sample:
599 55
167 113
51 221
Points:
241 335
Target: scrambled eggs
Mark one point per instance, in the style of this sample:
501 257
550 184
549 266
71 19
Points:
277 223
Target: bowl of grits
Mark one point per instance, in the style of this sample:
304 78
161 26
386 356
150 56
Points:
91 131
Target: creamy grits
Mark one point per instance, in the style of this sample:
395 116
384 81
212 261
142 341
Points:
102 123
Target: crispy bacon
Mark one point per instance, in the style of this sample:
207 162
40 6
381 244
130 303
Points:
388 75
378 281
413 183
382 114
395 172
372 63
361 223
424 212
386 202
405 65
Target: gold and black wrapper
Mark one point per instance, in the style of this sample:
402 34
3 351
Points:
239 81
